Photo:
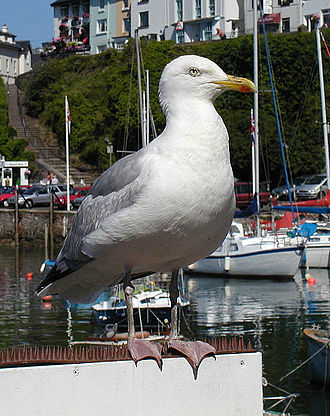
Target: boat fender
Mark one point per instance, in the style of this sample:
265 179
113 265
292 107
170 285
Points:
227 263
310 279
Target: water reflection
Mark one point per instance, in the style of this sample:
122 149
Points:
271 313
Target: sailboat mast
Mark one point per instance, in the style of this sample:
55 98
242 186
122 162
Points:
147 132
323 105
255 109
139 83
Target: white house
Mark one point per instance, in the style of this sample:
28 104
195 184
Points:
319 7
15 57
185 21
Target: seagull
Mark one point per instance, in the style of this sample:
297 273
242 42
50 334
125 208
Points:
159 209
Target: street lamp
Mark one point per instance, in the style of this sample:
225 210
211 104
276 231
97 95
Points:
109 149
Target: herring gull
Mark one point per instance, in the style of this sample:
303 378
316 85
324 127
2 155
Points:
159 209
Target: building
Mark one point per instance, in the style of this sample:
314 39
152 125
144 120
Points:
318 7
71 24
186 21
109 24
100 24
15 57
283 16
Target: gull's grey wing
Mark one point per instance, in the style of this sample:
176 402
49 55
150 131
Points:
122 173
116 189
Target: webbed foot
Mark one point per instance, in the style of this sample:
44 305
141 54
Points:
141 349
193 351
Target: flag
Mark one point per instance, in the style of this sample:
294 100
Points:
252 128
67 114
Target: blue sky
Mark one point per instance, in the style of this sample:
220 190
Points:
28 19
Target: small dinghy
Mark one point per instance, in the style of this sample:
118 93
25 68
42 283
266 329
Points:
319 354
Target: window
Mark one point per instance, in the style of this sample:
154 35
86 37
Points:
286 25
64 11
101 26
85 7
102 3
207 31
326 17
75 9
284 2
101 48
211 7
179 14
198 12
233 247
125 4
15 67
126 25
144 19
179 36
7 65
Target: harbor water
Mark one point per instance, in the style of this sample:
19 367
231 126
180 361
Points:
272 314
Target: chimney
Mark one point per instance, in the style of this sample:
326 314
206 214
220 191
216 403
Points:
4 28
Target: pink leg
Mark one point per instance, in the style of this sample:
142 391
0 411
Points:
138 348
195 351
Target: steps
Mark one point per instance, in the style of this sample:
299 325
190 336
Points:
48 155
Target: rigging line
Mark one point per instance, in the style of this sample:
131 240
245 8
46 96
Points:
325 44
276 114
275 94
306 89
125 146
153 127
263 144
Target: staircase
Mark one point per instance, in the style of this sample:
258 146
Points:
48 155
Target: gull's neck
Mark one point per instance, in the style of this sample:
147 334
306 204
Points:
194 116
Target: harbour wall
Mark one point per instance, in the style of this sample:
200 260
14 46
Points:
36 226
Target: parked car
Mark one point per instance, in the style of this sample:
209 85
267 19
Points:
5 193
8 192
60 202
281 192
76 202
244 194
39 195
314 187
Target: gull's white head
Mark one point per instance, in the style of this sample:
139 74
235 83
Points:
194 77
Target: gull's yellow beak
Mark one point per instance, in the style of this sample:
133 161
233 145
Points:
237 84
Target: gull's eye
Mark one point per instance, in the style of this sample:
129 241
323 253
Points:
194 72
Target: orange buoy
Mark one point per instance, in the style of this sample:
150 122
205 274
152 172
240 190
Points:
47 298
47 305
29 276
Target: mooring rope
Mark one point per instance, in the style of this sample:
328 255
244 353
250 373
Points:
327 345
69 321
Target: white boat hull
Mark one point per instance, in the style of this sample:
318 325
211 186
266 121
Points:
267 256
277 262
317 255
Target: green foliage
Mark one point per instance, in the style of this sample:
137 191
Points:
11 148
103 96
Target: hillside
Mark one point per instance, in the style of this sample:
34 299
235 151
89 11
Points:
102 90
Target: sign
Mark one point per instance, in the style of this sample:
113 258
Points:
179 26
268 6
16 164
271 18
